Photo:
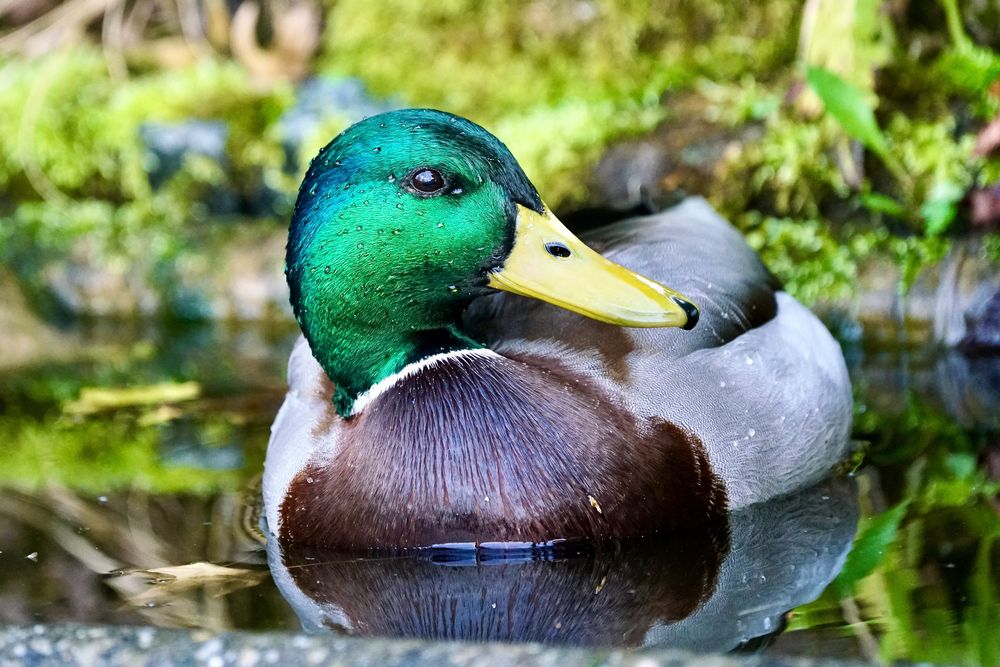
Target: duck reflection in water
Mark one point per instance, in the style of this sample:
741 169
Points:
711 587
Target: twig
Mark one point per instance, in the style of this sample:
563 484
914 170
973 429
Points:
190 23
43 33
26 135
869 645
6 5
72 543
112 40
807 27
136 22
954 20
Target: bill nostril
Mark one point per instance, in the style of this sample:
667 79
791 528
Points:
557 249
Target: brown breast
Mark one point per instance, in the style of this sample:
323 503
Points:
482 449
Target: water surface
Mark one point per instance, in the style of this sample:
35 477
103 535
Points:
136 507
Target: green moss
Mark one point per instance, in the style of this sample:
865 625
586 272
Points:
153 415
98 456
991 247
776 190
66 127
140 232
913 254
551 143
940 164
485 59
72 159
735 104
557 81
810 262
803 170
791 171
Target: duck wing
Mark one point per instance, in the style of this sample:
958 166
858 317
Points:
759 380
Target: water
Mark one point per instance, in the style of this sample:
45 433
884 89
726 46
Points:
137 507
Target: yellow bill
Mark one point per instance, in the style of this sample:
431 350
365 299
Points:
549 263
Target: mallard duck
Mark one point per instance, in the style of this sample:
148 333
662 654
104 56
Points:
431 403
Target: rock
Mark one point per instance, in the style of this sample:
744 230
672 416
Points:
85 282
169 144
984 207
629 172
982 325
69 645
988 139
319 99
947 302
236 276
24 337
969 388
681 157
968 283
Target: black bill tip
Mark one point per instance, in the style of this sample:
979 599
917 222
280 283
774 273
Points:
690 310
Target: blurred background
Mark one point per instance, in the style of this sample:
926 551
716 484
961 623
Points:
151 150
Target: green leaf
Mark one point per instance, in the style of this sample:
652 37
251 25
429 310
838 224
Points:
870 548
849 107
969 68
960 465
879 203
941 206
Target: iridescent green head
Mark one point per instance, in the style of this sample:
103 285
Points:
407 216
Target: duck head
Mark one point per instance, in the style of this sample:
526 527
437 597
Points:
405 218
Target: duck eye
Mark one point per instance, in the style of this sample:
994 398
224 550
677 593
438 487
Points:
427 181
